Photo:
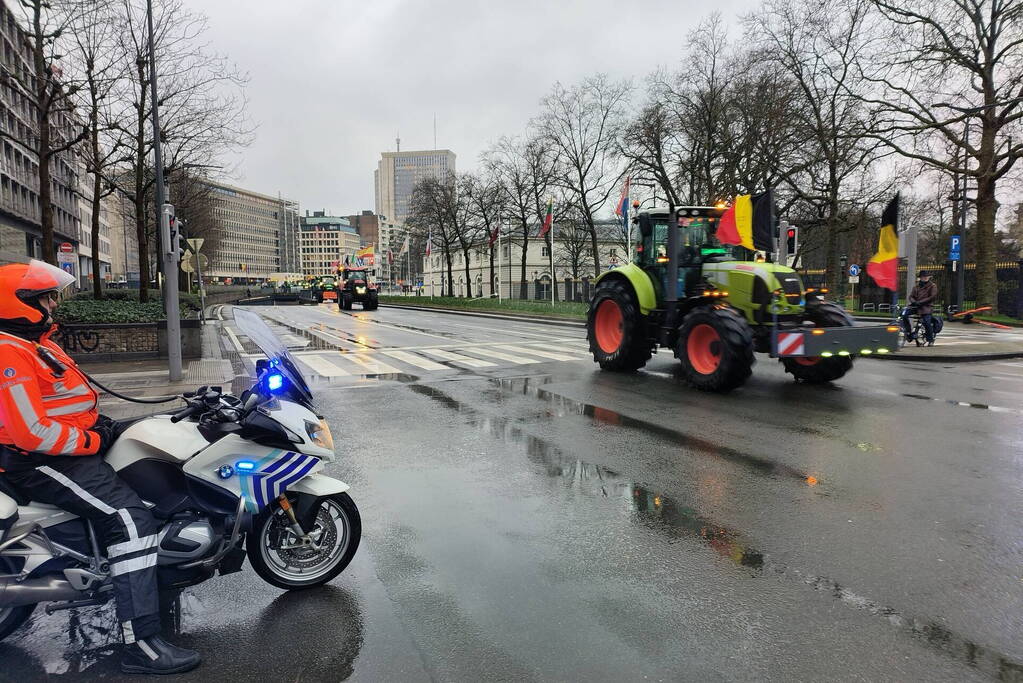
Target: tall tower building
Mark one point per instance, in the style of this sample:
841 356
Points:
398 172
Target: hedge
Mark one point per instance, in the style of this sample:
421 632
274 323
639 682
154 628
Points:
118 309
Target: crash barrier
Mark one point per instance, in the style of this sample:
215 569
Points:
1008 274
104 342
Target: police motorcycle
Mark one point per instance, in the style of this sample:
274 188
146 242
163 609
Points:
226 478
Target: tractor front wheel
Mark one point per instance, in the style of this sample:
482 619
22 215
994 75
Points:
814 369
616 329
346 302
715 346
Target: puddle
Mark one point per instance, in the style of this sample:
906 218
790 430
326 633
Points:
605 483
684 521
564 406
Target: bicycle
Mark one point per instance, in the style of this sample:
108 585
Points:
912 326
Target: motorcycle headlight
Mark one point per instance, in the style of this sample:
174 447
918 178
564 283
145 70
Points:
319 434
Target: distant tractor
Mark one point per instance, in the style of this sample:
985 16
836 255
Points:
356 287
323 288
714 309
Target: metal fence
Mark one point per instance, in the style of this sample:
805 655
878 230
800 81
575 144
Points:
867 296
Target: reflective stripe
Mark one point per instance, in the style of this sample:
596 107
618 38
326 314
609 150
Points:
72 441
128 631
50 434
144 646
144 543
135 564
78 490
71 408
23 345
62 393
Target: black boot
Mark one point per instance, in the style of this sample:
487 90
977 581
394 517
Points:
154 655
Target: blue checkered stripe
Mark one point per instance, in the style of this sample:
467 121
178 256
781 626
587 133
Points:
273 474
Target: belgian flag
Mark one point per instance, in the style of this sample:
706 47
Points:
884 265
749 222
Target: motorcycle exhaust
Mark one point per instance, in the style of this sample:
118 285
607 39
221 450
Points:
32 591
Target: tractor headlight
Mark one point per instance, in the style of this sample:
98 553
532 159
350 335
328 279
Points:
360 290
319 434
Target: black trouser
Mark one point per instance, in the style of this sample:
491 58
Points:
89 487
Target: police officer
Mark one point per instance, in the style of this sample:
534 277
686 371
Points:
52 441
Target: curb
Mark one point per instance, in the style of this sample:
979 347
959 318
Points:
973 358
561 322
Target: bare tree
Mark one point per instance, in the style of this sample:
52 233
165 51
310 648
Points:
430 219
574 251
94 30
583 124
50 93
486 197
944 67
526 173
817 44
201 108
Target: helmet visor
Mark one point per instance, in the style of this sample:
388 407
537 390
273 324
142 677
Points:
41 277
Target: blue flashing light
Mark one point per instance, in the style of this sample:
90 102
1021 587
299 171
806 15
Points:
245 465
274 381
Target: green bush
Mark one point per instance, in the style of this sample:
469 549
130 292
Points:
189 302
112 311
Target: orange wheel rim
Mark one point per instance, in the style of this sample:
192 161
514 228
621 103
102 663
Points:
608 326
808 360
704 349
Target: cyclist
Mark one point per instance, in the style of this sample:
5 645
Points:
920 300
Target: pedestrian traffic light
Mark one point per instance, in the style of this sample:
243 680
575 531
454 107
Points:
791 240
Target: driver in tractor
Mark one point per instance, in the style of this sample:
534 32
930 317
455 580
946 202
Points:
52 441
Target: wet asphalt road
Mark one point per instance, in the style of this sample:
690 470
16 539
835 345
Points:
548 521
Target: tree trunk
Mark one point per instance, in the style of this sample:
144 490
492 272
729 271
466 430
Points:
451 272
987 209
97 185
468 279
43 147
140 187
523 285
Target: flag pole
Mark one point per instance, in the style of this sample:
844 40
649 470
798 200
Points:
554 282
499 297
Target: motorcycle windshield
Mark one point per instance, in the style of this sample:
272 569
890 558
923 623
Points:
270 344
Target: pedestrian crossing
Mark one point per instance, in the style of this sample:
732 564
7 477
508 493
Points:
330 364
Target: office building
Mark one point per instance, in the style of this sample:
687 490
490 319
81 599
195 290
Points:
249 240
20 214
397 174
87 251
324 242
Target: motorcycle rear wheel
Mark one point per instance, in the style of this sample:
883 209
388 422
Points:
337 532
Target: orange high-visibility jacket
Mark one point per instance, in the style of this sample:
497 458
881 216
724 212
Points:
39 411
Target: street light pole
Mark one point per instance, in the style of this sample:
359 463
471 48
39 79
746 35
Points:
170 250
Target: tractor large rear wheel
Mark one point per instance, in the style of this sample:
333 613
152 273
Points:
616 329
814 369
715 346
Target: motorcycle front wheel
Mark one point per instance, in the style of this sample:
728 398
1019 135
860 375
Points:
281 559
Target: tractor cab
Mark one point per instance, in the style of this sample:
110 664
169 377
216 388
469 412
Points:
697 246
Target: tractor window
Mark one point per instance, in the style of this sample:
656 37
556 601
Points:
655 245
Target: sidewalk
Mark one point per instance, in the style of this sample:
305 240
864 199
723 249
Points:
148 378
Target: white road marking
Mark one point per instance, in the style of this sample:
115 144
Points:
518 360
373 367
455 358
234 339
322 366
537 352
419 362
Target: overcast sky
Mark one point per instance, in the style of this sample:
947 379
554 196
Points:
333 81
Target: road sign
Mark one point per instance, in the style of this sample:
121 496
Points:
854 270
854 279
196 243
953 249
66 247
188 263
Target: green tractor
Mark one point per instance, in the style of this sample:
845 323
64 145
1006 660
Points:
720 309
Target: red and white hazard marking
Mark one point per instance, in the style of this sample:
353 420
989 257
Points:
790 344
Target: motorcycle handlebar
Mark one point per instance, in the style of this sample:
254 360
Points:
190 410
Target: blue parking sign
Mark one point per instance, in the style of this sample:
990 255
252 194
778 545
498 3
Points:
953 250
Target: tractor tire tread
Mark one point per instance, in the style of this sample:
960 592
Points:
827 369
736 336
635 349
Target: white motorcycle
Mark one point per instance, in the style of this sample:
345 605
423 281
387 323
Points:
222 471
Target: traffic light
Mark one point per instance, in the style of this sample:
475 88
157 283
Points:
178 239
791 240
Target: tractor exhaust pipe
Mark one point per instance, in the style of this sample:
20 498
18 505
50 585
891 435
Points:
671 286
33 591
